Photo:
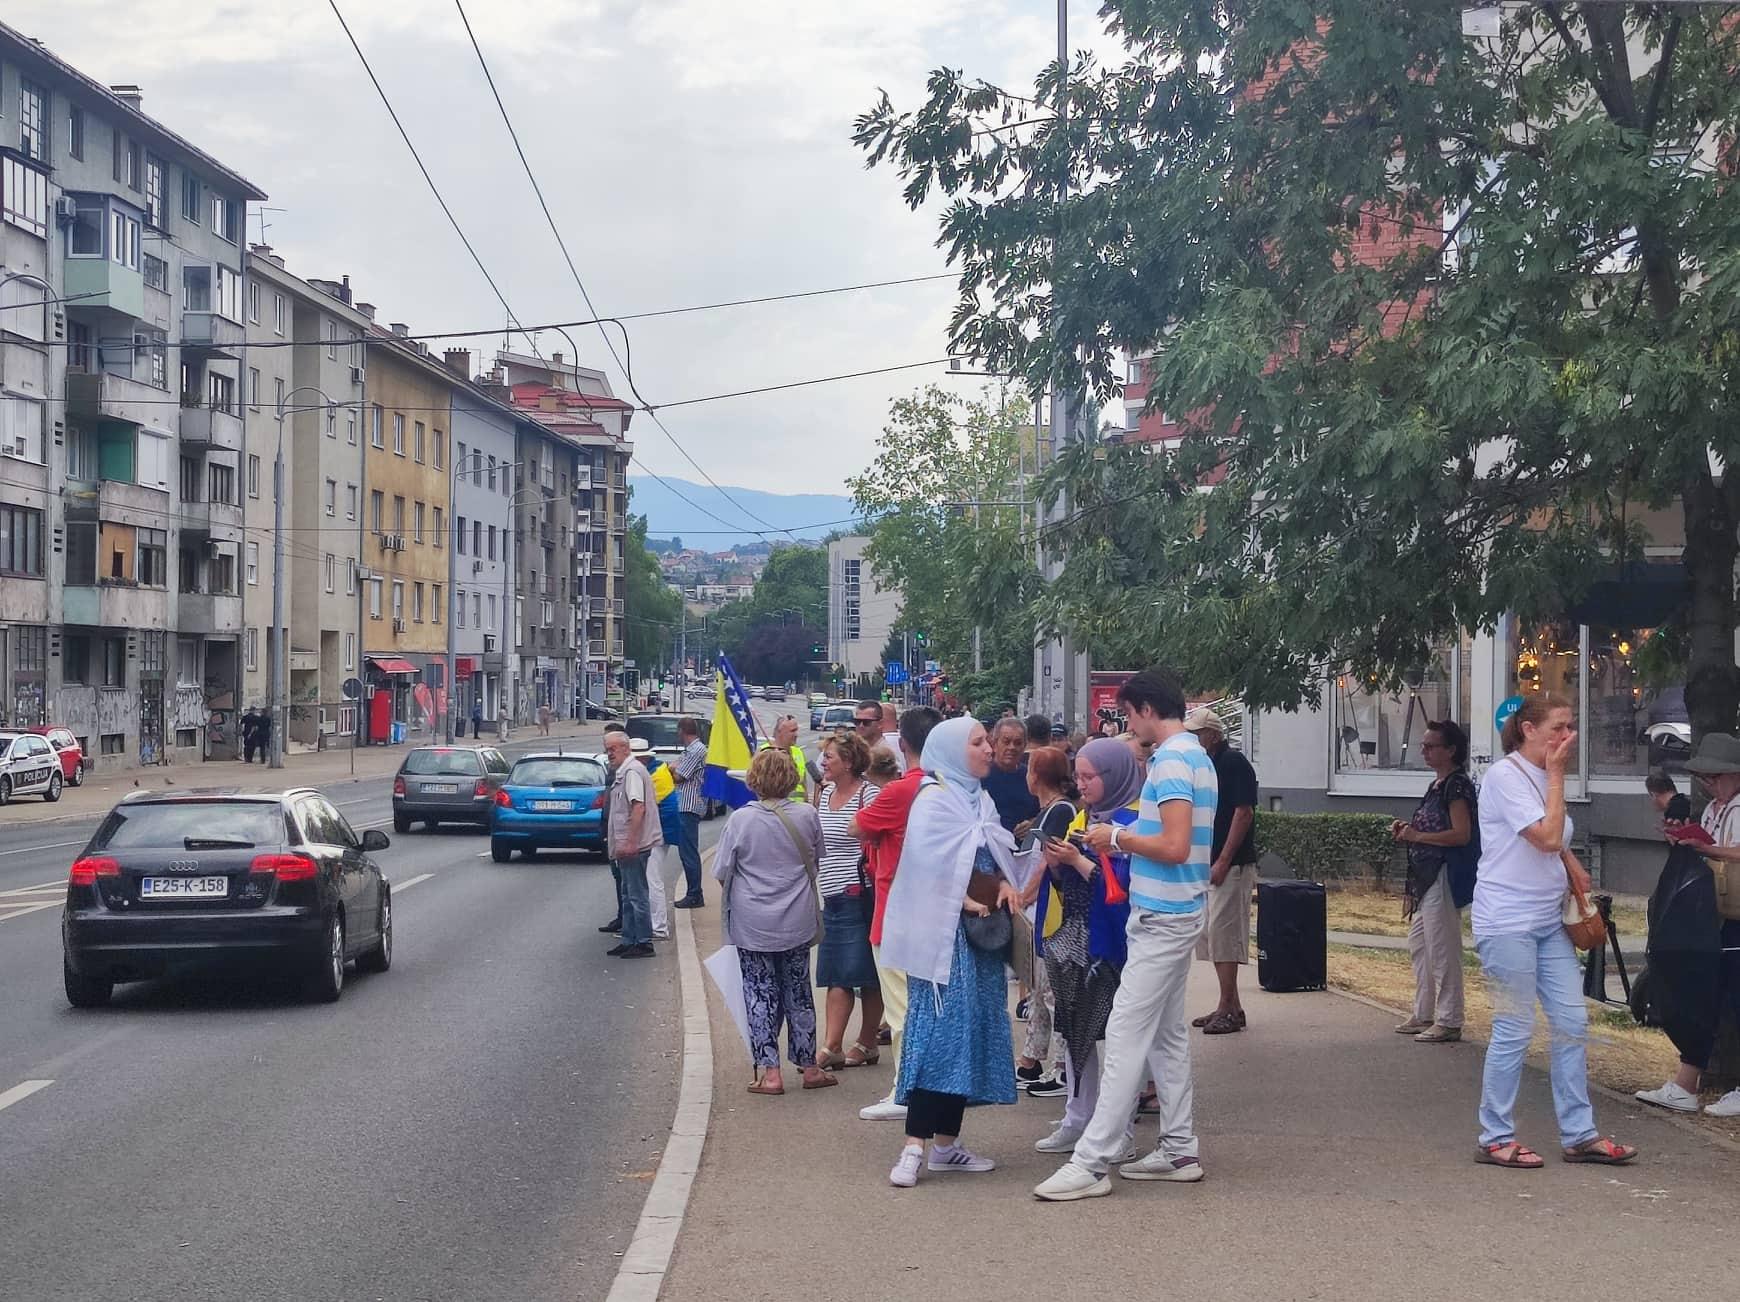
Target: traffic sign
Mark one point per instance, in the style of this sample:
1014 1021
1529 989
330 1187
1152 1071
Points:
1507 707
894 674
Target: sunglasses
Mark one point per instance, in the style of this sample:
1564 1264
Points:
864 723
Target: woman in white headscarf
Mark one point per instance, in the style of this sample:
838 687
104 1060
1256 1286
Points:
958 860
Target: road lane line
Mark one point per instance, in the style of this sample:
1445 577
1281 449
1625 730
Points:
18 1093
641 1275
37 849
11 911
58 883
408 884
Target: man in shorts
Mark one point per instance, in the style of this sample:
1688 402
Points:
1226 936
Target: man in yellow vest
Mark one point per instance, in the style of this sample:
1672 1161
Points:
785 734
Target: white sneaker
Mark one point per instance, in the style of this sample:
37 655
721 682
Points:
1061 1140
1157 1166
959 1159
1128 1153
886 1110
1676 1099
905 1172
1070 1183
1726 1106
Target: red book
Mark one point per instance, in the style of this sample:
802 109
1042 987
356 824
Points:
1689 834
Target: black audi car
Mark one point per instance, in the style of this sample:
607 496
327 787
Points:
171 883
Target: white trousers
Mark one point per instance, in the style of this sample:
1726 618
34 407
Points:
1147 1034
1435 946
655 888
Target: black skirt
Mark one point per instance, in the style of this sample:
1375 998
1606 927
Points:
844 960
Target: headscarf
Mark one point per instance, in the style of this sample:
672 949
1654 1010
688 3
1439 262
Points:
945 755
1120 776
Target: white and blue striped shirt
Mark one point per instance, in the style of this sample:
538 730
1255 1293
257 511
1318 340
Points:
1180 770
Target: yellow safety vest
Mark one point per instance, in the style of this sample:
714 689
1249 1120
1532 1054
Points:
797 757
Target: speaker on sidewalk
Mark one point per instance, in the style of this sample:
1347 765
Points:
1292 936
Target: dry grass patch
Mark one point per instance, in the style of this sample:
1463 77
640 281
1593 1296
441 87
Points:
1372 911
1622 1055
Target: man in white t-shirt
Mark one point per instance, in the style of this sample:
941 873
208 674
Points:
870 718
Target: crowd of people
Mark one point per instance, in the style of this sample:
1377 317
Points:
925 858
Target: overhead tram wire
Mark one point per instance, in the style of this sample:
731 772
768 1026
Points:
574 271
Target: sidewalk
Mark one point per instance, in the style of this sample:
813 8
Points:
105 786
1339 1160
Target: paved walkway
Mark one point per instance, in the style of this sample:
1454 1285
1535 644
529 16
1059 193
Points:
314 768
1339 1160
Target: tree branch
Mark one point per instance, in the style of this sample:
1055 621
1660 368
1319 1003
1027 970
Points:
1664 69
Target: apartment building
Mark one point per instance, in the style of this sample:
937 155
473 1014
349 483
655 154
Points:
485 459
121 528
306 360
861 613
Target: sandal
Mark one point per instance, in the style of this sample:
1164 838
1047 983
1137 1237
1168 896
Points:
828 1060
1224 1024
1518 1157
1602 1151
1148 1104
862 1055
760 1086
817 1079
1204 1020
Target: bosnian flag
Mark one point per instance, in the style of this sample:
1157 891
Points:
732 744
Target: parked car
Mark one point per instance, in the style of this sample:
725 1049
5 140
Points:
70 751
775 693
837 716
28 767
183 882
447 784
659 731
549 802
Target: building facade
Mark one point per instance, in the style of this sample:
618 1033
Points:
485 452
861 613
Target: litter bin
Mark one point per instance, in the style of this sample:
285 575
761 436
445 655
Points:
397 736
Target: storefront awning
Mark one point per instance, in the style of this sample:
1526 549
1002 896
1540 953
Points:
392 665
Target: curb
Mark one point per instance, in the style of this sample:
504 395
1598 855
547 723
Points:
647 1260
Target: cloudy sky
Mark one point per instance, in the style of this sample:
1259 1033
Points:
692 151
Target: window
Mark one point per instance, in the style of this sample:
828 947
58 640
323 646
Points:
377 509
123 238
438 529
187 661
24 197
196 289
251 647
398 600
154 173
350 651
417 603
350 576
492 474
21 428
399 433
477 538
130 168
492 542
459 609
32 120
151 653
114 661
477 467
153 566
254 472
459 535
221 483
476 610
416 522
375 427
21 541
278 394
254 387
84 238
277 314
221 574
75 659
331 329
492 610
156 272
253 565
435 604
228 300
224 218
440 450
151 353
331 499
398 514
220 391
374 598
190 206
253 302
350 501
75 131
417 442
332 422
350 428
81 453
459 459
331 572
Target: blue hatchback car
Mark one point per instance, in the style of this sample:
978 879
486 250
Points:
549 802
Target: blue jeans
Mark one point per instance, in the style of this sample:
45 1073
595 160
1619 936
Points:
1519 970
689 847
636 903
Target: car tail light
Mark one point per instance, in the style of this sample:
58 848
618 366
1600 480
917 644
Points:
287 867
86 871
502 798
481 789
398 786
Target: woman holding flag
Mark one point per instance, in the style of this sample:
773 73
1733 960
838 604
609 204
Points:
1084 905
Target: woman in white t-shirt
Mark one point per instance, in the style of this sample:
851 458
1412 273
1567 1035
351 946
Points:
1525 869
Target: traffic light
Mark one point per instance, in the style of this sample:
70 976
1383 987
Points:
918 637
816 650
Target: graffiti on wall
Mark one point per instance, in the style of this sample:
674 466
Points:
189 707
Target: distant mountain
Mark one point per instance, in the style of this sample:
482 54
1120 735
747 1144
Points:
805 514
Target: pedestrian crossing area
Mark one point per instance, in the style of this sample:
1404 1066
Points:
22 900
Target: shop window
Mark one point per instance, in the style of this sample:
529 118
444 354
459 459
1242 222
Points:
1635 722
1379 730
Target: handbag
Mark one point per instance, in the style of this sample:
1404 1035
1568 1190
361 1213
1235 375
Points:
990 933
1582 918
806 853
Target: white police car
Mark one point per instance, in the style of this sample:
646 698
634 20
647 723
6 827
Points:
28 767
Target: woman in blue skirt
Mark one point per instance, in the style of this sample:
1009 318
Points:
958 860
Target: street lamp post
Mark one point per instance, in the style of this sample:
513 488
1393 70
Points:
279 647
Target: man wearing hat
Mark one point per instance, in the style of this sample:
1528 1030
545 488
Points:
1717 766
1226 935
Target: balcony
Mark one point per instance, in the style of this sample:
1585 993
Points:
582 522
222 519
100 282
212 334
616 650
103 395
210 428
619 524
595 647
208 612
115 604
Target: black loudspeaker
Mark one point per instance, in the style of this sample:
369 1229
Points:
1292 936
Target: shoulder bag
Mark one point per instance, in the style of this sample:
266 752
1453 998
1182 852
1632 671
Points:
806 852
1462 862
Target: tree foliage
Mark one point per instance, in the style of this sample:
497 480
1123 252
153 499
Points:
771 634
1448 314
948 536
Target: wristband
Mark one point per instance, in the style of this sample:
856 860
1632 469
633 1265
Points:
1115 830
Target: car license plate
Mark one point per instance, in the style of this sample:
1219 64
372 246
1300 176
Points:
159 888
553 806
440 788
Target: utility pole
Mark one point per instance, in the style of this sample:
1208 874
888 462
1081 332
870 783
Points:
279 646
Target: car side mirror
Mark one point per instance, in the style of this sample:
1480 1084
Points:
375 839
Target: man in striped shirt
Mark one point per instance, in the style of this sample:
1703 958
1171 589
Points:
1148 1033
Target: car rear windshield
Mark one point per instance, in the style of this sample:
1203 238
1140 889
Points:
575 772
242 822
440 760
658 732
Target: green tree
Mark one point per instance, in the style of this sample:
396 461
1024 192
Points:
1407 437
653 610
770 634
947 533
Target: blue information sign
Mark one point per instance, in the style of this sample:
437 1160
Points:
1507 707
894 674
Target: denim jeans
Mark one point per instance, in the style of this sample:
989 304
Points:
1519 970
689 848
636 902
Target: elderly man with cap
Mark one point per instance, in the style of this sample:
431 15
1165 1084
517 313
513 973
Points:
1717 766
1226 937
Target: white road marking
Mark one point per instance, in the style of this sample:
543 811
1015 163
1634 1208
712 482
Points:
10 909
58 884
18 1093
37 849
410 882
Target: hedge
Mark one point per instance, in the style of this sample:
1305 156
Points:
1330 846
